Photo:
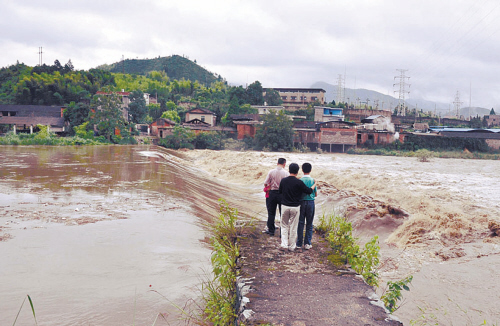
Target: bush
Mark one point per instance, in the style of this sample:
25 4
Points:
391 297
423 155
345 245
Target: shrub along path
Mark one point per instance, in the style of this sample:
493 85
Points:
302 288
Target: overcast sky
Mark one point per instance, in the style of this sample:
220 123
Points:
444 46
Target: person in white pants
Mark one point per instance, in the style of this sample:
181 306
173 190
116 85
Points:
292 190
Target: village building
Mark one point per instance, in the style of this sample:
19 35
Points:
124 101
25 118
330 136
490 136
161 127
265 109
203 115
325 114
376 130
299 98
246 124
493 120
356 115
421 126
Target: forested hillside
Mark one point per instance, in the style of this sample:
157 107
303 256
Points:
50 85
175 66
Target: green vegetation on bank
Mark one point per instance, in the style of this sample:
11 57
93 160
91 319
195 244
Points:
219 293
346 250
45 137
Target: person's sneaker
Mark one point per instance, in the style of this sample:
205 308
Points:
268 232
298 249
308 246
283 248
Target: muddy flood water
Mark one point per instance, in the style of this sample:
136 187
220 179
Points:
112 235
104 235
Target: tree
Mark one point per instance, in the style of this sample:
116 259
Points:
276 133
171 115
137 107
273 97
492 112
76 114
155 111
254 93
68 67
180 138
237 95
108 116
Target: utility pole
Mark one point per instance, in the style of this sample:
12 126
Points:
402 90
457 104
340 89
470 99
40 61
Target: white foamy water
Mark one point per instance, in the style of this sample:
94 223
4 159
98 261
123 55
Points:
451 200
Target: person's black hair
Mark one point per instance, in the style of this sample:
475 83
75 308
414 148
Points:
306 167
281 161
293 168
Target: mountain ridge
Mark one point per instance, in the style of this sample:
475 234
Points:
175 66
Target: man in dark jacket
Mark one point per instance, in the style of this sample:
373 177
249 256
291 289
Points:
291 190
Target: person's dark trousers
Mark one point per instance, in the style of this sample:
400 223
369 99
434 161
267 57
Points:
306 217
272 202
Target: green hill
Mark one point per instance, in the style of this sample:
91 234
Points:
175 66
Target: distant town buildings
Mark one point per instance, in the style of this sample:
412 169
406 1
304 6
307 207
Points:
299 98
492 120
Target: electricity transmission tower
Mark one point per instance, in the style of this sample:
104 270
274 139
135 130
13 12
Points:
402 90
340 89
457 104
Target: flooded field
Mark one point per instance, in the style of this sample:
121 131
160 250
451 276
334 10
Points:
89 232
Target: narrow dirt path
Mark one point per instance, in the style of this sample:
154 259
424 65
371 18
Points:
302 288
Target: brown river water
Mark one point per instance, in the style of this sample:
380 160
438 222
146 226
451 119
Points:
103 235
112 235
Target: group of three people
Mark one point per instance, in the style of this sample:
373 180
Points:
295 198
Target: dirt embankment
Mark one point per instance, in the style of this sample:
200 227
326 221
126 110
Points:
302 288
